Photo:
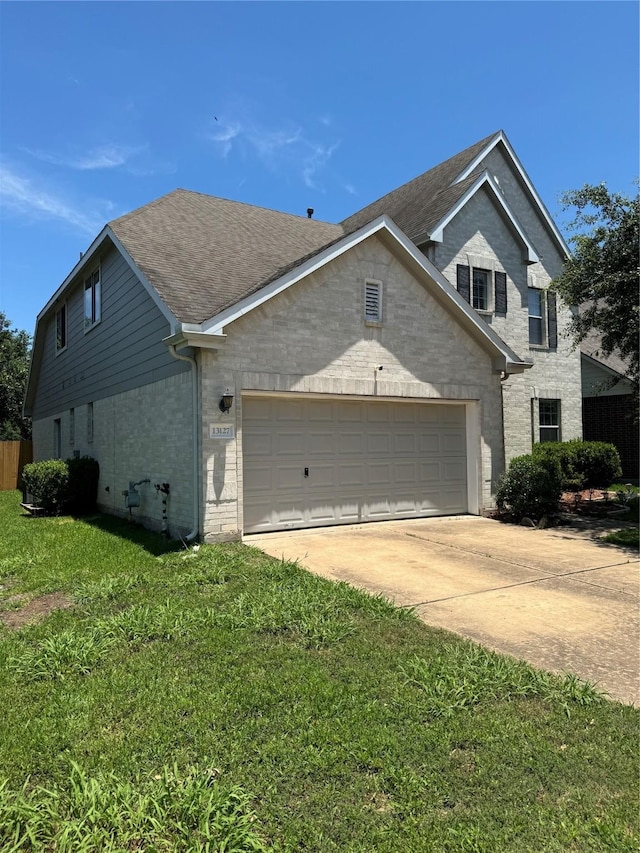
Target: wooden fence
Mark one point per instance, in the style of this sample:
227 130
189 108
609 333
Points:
14 455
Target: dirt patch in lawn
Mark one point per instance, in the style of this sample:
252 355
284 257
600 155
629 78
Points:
26 610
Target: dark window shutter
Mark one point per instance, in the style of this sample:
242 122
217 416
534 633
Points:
464 281
552 319
501 293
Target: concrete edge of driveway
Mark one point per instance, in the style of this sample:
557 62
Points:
562 603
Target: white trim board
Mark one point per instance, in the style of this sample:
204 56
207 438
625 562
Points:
501 137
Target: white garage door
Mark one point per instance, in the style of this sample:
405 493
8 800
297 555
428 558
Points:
313 462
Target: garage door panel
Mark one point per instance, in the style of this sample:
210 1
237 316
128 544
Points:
378 443
453 442
429 442
287 410
430 472
454 470
406 472
288 477
323 476
261 446
405 442
350 444
259 478
368 460
321 443
353 475
377 507
289 443
379 474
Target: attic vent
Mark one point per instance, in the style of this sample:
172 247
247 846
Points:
373 301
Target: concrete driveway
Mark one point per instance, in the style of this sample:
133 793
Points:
557 600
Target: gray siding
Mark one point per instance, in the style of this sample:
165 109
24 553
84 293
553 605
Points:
123 351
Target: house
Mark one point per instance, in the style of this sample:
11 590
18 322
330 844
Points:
278 372
609 406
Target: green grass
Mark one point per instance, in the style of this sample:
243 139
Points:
628 537
223 700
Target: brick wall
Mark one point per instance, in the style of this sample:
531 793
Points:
139 434
313 338
613 419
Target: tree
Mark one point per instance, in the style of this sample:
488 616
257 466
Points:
602 275
14 368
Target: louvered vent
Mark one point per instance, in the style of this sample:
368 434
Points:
373 301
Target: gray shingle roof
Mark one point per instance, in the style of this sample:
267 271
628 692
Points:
592 346
421 203
203 254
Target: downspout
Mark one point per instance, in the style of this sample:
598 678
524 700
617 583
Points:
196 458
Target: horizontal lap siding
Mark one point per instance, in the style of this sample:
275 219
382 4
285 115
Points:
122 352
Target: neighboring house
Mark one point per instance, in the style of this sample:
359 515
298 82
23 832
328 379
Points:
609 405
281 372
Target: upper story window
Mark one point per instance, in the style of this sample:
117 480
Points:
484 289
536 330
480 295
61 327
543 318
373 301
92 298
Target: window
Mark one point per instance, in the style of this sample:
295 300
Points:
536 331
89 422
61 327
549 420
57 439
72 426
481 290
484 289
373 301
92 299
543 330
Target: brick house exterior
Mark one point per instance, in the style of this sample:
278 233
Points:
385 367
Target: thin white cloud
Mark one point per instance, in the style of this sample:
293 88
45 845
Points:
224 137
316 160
108 156
351 189
22 196
288 148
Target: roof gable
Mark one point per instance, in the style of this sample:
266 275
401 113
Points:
504 358
420 205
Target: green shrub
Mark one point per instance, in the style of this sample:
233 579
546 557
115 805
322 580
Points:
47 482
564 453
83 485
599 463
531 487
583 464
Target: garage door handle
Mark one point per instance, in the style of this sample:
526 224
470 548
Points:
306 472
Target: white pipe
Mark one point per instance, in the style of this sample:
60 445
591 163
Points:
196 431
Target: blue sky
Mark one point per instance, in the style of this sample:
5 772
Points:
106 106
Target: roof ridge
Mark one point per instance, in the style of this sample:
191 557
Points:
182 191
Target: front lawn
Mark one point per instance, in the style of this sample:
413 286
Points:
219 699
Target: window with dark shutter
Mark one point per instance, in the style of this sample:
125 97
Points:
464 281
552 319
501 292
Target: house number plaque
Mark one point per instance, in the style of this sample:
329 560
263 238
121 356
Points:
217 431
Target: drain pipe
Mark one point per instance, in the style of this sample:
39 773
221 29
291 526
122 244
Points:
196 459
